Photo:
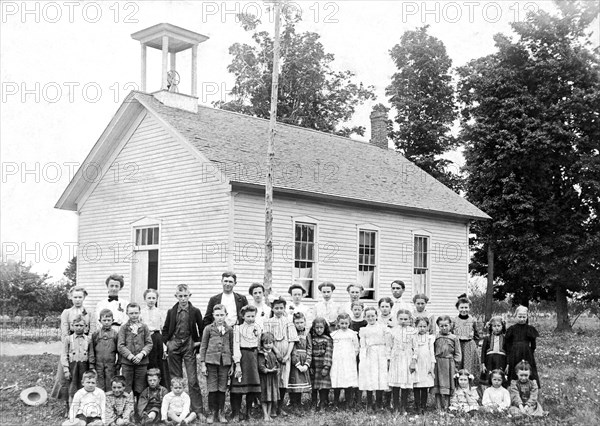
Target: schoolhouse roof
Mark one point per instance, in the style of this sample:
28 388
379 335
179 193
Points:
307 162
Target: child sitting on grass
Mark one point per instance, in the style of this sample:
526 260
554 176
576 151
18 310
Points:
119 404
88 406
175 408
151 398
524 393
465 397
496 398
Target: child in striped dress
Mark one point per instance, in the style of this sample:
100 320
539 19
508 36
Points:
246 339
322 350
285 336
465 328
301 359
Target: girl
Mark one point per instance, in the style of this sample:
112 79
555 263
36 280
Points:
60 390
493 354
297 292
496 398
322 349
420 301
385 312
447 358
269 370
465 397
425 363
263 311
373 367
285 336
216 362
134 344
77 356
357 321
344 373
520 345
154 319
300 362
465 328
246 339
402 359
524 393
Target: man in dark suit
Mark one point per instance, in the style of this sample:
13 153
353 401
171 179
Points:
233 302
182 333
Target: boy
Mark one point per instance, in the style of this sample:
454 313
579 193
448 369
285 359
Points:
151 399
216 362
175 407
134 345
182 331
105 342
88 403
119 404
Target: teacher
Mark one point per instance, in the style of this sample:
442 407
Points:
117 305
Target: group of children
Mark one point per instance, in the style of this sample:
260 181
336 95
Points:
371 350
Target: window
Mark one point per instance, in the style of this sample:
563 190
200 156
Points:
421 264
146 236
367 261
304 256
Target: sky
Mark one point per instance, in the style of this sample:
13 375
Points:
67 65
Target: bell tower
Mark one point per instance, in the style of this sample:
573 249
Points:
170 40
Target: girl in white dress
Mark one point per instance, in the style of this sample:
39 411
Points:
424 373
403 359
344 373
374 356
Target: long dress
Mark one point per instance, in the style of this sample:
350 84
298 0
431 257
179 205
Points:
322 349
447 356
520 345
465 328
344 373
60 389
284 331
269 382
493 355
301 354
424 374
374 355
155 320
246 339
402 342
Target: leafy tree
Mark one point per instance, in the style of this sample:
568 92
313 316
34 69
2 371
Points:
423 97
23 290
70 271
530 124
311 94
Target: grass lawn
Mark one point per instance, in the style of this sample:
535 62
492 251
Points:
568 365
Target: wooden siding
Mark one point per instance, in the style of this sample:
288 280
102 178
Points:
338 245
168 185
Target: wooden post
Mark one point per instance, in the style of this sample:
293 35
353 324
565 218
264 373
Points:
268 278
194 69
165 61
489 294
143 83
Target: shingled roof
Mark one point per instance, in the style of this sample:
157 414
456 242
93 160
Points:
311 162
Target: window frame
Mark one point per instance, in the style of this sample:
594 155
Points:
307 220
422 233
368 227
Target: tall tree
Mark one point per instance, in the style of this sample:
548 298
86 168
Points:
311 93
70 271
531 126
422 95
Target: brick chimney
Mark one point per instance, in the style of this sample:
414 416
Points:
379 129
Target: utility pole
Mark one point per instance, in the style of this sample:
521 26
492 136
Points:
268 278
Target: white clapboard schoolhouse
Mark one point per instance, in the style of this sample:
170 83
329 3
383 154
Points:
173 192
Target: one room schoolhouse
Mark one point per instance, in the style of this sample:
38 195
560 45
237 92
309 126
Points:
176 195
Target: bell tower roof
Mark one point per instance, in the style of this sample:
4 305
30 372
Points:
179 38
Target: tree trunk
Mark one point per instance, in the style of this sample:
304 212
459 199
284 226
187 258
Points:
562 311
489 294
